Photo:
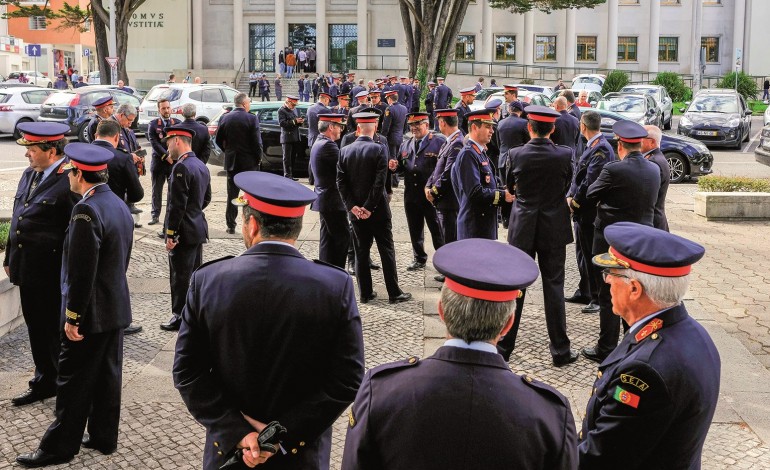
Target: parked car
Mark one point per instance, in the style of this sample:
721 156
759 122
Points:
593 96
208 101
481 97
766 117
75 107
659 93
20 104
94 78
525 96
546 90
593 82
717 117
636 107
33 78
762 152
687 157
272 156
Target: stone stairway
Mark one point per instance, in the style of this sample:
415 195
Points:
290 86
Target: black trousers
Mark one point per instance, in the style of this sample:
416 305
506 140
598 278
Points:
609 323
584 242
89 388
335 238
182 261
41 307
364 233
265 95
448 221
289 155
160 173
252 89
419 213
551 262
232 192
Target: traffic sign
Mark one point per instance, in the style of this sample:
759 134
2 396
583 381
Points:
33 50
86 52
113 61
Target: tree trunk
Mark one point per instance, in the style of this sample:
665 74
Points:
100 34
122 18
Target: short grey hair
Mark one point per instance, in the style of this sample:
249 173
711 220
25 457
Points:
560 103
664 292
323 126
240 99
654 132
188 111
472 319
126 109
367 127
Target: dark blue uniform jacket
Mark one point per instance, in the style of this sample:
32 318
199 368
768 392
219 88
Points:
189 192
440 182
588 169
238 135
419 164
473 178
324 157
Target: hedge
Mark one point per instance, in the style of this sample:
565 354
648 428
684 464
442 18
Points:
730 184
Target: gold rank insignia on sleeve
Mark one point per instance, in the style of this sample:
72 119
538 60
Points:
179 175
71 315
170 232
351 418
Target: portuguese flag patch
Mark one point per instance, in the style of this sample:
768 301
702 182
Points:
626 397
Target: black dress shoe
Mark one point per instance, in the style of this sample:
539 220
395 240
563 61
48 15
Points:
365 299
132 329
172 325
439 277
162 235
562 361
30 396
415 265
577 299
401 298
230 230
41 458
593 354
89 444
591 308
154 221
137 225
373 267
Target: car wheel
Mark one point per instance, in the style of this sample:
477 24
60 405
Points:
16 132
83 132
680 169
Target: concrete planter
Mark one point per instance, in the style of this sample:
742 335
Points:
733 206
10 306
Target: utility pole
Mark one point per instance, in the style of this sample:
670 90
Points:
695 66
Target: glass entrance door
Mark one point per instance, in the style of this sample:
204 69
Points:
343 47
261 47
301 35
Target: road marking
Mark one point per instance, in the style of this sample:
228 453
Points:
748 144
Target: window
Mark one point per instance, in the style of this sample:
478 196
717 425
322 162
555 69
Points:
465 47
711 44
668 49
212 96
35 97
262 47
627 48
301 35
586 48
545 47
343 47
505 47
37 22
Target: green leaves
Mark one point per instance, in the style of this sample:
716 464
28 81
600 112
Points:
547 6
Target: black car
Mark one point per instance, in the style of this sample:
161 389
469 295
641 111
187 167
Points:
75 107
687 157
272 157
718 118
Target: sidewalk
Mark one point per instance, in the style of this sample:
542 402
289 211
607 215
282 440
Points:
158 432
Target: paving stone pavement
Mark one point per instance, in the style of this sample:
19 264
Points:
730 286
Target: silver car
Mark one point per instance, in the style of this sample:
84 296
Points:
20 104
659 93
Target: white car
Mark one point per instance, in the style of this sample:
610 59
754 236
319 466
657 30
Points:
20 104
208 101
481 97
94 78
590 82
525 96
33 78
659 93
766 117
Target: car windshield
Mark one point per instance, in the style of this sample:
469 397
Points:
536 88
591 80
714 104
484 93
622 104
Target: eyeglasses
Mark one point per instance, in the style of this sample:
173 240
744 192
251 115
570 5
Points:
606 272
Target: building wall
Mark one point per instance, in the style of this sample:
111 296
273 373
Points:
159 38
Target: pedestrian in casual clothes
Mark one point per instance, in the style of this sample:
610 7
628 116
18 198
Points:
302 60
291 62
766 92
264 88
301 88
253 79
281 63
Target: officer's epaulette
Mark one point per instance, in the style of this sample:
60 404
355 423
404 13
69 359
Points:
318 261
214 261
544 389
391 366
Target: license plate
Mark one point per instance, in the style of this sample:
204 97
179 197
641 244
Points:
708 133
152 113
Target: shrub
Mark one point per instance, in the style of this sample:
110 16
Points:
615 80
527 81
747 87
730 184
674 85
4 228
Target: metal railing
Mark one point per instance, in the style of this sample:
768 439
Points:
239 72
382 62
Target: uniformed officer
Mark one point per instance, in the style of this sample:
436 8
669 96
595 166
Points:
467 96
348 84
201 146
405 92
598 152
442 97
567 127
493 147
324 156
97 309
361 175
361 97
512 132
160 166
189 192
33 251
247 331
290 122
104 108
418 157
414 104
652 152
438 188
343 104
394 122
474 182
377 102
463 407
655 394
625 191
321 107
334 90
511 95
430 97
540 226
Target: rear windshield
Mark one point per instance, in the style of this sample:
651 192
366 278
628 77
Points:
60 99
171 94
4 97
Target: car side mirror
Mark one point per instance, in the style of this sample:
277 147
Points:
681 110
749 112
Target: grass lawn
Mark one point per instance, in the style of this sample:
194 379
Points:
757 106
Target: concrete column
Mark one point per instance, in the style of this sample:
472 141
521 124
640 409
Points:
322 37
487 36
362 18
652 61
238 33
197 33
79 58
739 33
281 36
612 34
695 41
570 42
529 38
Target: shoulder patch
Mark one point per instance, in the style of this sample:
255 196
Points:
85 217
214 261
318 261
402 364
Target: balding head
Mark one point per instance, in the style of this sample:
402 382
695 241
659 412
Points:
560 103
652 141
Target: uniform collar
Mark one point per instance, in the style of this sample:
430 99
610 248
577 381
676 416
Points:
594 139
474 345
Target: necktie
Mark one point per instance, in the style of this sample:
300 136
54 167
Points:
35 181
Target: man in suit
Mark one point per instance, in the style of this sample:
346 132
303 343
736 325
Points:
430 97
474 181
463 107
652 152
160 166
128 143
462 407
33 251
104 107
539 224
201 144
442 97
394 122
334 90
238 135
222 368
321 107
189 192
414 104
357 88
290 122
659 388
405 92
361 175
567 127
625 191
512 132
97 305
572 106
324 156
598 153
438 188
